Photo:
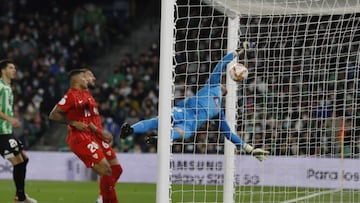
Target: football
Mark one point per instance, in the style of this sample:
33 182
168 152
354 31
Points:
238 72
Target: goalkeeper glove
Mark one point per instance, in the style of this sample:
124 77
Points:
126 130
258 153
244 47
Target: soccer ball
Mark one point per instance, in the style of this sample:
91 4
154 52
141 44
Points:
238 72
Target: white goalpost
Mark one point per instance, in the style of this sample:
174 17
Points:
300 101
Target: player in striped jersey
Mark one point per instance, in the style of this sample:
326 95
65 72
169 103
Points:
11 148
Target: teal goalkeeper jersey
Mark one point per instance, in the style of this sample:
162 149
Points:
6 107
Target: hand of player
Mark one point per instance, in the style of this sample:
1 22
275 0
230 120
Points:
239 52
242 49
79 125
15 122
260 154
107 136
92 127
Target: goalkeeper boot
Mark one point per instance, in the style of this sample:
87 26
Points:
126 130
151 139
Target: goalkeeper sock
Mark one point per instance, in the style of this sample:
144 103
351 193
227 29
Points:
175 135
145 126
19 172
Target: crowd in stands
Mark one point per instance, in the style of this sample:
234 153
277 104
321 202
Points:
306 86
46 39
301 86
130 94
291 104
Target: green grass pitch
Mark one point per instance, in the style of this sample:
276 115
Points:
87 192
76 192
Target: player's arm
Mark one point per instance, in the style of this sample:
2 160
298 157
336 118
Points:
4 116
58 115
103 134
260 154
215 76
13 121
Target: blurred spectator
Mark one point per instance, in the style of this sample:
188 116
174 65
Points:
116 78
46 43
298 88
113 128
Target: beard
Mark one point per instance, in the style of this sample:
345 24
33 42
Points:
91 86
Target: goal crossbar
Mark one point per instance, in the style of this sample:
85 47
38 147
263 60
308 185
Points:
266 7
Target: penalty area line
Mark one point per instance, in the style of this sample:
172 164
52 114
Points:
311 196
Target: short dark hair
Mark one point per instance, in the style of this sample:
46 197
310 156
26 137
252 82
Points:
74 72
4 63
86 69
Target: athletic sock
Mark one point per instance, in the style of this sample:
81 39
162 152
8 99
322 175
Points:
145 126
19 179
175 135
116 172
107 189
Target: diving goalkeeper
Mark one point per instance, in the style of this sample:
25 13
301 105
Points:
191 113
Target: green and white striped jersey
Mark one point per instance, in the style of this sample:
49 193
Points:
6 106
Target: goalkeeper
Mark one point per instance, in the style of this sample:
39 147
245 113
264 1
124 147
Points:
191 113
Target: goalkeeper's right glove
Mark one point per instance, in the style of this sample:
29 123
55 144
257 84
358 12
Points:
258 153
126 130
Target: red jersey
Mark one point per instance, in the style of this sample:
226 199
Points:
95 117
76 107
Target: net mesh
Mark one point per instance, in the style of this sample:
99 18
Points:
300 100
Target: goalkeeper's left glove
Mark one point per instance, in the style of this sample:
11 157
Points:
258 153
244 47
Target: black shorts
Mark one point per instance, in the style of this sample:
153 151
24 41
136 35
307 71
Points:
10 146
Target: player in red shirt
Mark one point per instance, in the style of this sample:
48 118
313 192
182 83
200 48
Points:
104 139
73 110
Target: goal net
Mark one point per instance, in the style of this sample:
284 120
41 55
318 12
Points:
300 101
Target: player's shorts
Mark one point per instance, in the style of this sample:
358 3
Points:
10 146
106 148
87 149
185 120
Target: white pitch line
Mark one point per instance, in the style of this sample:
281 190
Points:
310 196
